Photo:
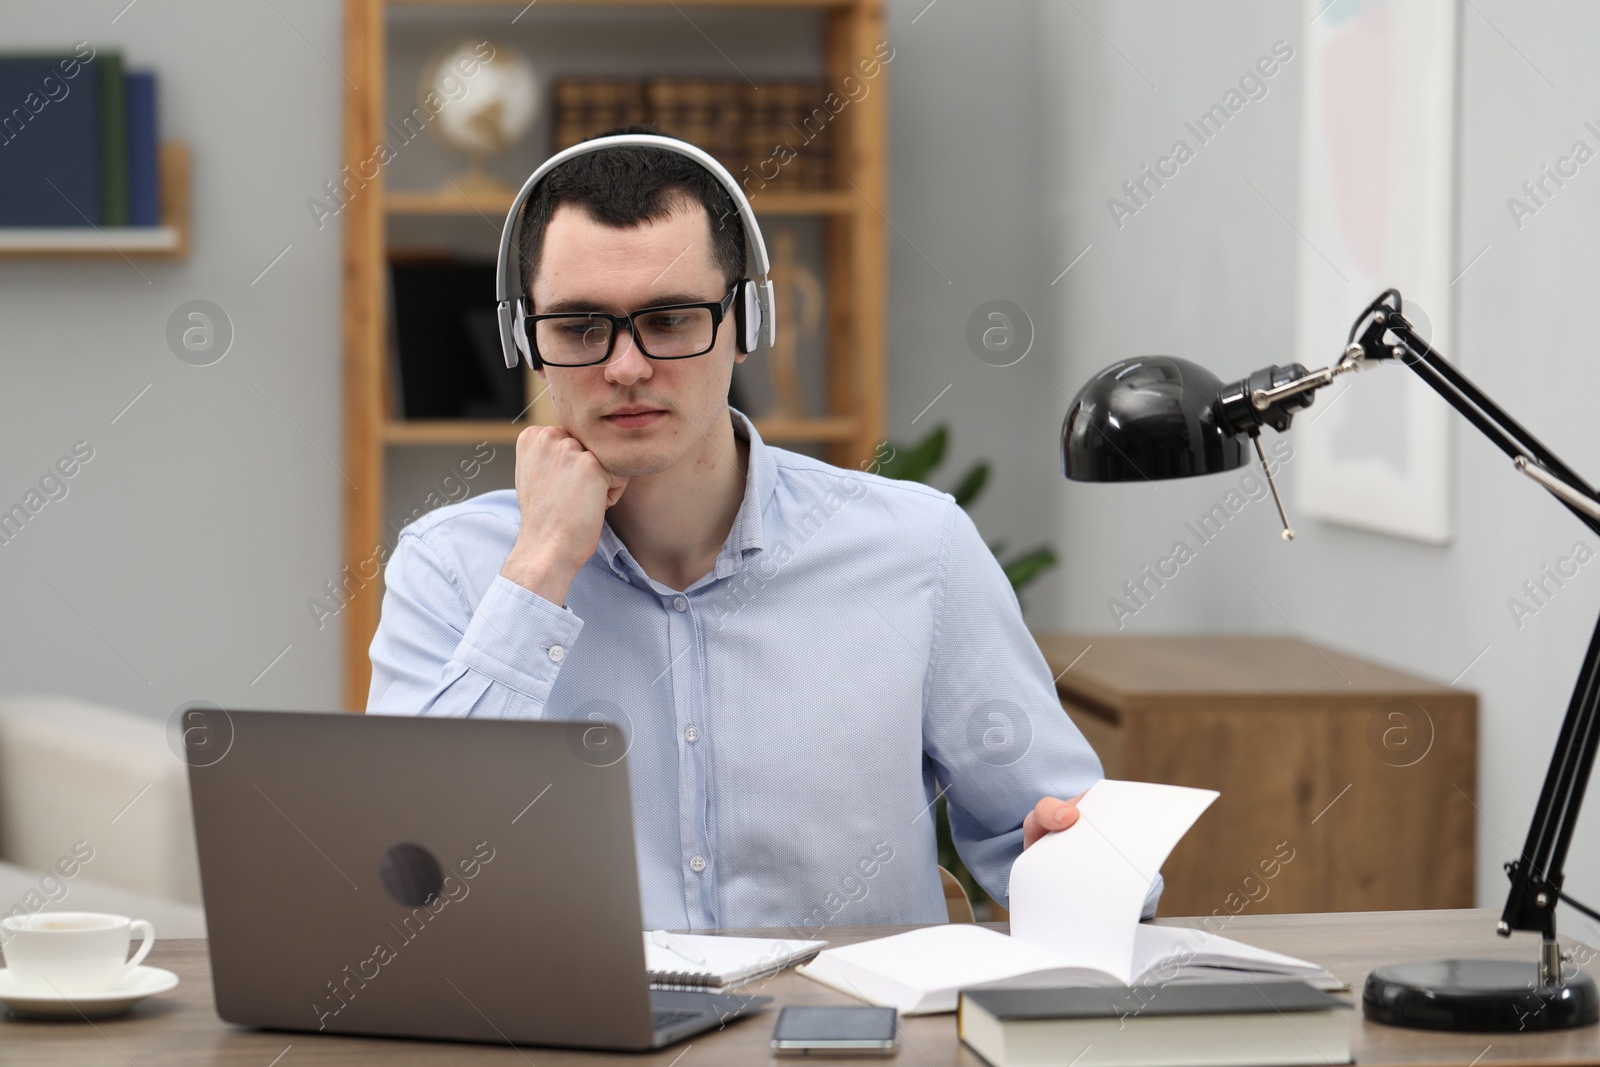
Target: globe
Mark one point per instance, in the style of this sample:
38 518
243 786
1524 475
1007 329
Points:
488 103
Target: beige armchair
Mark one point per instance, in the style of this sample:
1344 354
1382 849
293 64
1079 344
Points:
94 815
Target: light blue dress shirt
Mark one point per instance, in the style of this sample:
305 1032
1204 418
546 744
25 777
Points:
855 652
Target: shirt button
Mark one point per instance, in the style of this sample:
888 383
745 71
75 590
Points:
692 734
697 864
680 603
557 653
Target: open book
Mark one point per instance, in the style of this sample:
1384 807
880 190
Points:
924 970
1075 902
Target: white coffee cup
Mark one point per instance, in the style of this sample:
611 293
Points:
72 951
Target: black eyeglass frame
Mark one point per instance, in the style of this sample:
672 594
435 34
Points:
718 309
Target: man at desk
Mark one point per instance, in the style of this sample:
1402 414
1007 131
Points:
803 657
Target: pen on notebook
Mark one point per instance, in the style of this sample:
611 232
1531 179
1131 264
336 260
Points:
678 945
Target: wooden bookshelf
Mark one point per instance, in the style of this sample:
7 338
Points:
170 240
851 221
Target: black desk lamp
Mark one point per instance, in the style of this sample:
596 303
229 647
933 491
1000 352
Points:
1160 417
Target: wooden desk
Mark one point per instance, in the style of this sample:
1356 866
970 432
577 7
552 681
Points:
182 1027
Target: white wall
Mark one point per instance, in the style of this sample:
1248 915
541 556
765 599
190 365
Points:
968 144
183 555
1207 270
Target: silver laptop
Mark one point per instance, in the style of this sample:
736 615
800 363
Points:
437 878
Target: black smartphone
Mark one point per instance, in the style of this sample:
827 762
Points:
817 1030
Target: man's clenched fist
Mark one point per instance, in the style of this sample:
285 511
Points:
563 493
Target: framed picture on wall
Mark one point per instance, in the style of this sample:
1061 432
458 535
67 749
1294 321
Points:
1378 210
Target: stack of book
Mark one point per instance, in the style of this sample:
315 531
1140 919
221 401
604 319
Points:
772 134
78 141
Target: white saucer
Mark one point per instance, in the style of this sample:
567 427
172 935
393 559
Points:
141 982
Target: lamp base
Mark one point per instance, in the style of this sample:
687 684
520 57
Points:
1481 995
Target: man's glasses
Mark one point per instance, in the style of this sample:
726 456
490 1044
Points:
584 339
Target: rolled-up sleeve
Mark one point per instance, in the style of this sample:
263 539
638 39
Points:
993 724
437 653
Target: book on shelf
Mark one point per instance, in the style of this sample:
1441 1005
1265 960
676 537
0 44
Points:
50 139
113 140
704 112
79 142
785 134
144 156
773 134
586 106
447 342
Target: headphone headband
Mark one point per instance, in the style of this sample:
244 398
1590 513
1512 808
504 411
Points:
757 303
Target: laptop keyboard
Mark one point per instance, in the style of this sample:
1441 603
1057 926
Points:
662 1019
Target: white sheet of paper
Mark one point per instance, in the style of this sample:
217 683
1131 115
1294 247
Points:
1078 892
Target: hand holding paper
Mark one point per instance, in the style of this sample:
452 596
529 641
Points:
1079 892
1049 815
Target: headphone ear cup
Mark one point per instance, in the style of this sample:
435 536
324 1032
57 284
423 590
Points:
748 316
741 317
520 334
766 304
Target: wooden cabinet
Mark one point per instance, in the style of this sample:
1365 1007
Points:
1364 775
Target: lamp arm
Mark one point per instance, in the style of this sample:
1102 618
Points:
1557 487
1538 873
1528 453
1525 450
1386 317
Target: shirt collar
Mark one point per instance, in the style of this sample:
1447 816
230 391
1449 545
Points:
748 535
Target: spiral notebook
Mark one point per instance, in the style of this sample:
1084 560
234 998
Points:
730 961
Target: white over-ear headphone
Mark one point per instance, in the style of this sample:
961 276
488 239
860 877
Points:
752 305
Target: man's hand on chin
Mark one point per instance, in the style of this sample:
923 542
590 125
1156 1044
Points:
1048 816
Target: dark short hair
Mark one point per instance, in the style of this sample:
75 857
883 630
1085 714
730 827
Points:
625 187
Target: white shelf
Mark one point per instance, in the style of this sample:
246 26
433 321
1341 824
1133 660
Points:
87 239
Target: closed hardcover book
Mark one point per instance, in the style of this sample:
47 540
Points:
113 141
49 141
144 167
809 121
1177 1025
707 113
784 135
767 151
586 107
569 124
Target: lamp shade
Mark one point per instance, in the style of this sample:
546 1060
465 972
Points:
1149 418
